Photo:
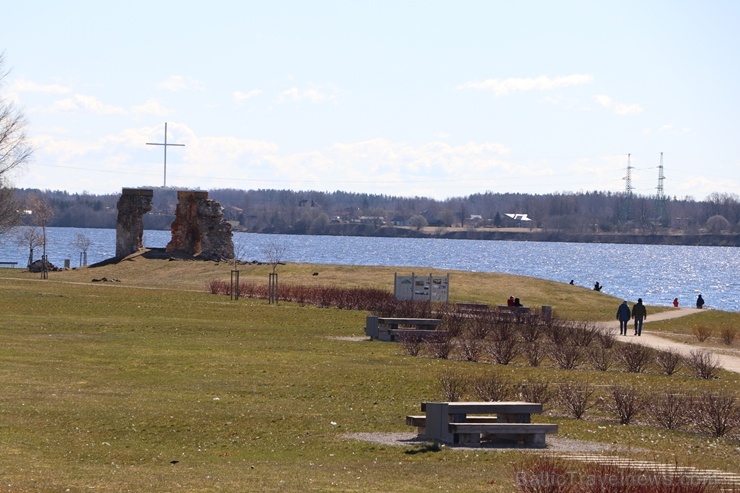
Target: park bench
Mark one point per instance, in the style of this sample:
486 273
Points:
452 423
8 264
395 328
472 307
516 314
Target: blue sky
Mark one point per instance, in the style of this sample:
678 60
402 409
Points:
413 98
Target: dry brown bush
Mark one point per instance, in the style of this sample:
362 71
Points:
626 403
576 398
669 411
704 364
453 385
491 387
702 333
727 334
669 361
716 414
635 357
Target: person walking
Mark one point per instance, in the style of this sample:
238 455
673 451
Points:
675 302
639 313
623 315
699 302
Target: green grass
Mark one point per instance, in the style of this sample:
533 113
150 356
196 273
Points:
151 384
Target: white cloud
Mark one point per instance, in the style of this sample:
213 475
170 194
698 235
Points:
150 107
180 83
504 87
620 109
90 104
240 96
23 85
311 95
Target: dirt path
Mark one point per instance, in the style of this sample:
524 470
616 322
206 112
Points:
728 362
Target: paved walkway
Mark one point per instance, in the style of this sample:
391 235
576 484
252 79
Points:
728 362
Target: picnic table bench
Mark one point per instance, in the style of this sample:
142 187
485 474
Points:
8 264
392 328
515 313
472 307
452 423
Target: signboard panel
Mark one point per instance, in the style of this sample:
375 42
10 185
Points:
422 288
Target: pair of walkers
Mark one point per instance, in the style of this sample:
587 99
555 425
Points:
624 314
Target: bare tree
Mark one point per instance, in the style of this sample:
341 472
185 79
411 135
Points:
9 216
41 213
29 237
82 243
14 152
274 252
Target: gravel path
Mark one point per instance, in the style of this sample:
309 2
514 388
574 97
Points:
729 362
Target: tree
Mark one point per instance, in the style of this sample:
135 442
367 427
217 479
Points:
717 224
29 237
14 152
82 243
418 221
41 213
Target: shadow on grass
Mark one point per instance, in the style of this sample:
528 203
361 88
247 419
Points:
424 448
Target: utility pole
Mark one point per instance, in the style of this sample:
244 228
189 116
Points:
660 200
165 144
626 209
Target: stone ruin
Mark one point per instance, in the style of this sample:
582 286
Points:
132 206
199 229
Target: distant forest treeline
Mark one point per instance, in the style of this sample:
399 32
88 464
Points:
311 212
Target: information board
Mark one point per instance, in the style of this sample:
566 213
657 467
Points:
422 288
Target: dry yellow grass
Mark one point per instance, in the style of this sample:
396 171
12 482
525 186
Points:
568 302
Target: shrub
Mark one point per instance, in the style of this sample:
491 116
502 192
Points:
558 332
634 356
626 403
583 333
502 351
669 361
576 398
532 391
534 352
567 356
716 414
532 330
600 357
543 474
411 343
216 286
453 386
702 333
481 324
704 364
490 387
606 338
727 334
439 345
470 348
669 411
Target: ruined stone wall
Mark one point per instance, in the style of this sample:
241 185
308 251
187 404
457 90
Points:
199 228
132 205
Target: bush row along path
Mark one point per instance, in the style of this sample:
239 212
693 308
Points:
728 362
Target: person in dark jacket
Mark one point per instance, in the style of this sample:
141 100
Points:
623 315
699 302
639 313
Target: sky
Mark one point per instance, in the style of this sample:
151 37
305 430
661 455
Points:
409 98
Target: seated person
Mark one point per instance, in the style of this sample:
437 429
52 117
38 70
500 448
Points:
510 301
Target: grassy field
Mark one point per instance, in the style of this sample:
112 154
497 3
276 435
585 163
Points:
149 383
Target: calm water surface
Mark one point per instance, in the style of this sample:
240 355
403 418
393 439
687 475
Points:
656 273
